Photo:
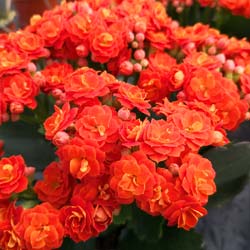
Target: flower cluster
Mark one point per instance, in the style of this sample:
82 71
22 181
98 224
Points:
136 98
241 7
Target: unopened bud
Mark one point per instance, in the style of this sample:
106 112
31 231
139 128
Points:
221 57
239 70
130 37
140 26
140 37
31 67
60 138
16 108
126 68
144 63
82 50
229 65
137 67
124 113
139 54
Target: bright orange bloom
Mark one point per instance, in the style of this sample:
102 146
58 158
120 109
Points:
98 123
82 158
59 120
132 178
11 61
56 187
131 96
83 85
161 139
28 43
184 212
12 178
77 219
20 88
40 228
55 75
194 126
154 83
9 217
197 177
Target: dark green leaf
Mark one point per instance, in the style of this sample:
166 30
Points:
145 226
231 162
124 215
69 244
173 239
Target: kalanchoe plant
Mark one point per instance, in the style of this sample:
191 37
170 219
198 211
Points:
134 105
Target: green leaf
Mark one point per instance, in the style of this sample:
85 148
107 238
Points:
231 162
173 239
124 215
145 226
69 244
232 166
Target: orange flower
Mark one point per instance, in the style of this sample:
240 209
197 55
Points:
184 212
9 217
194 126
82 158
55 75
197 177
77 219
56 186
83 85
106 43
12 179
98 123
59 120
11 61
28 43
154 83
131 96
40 228
20 88
132 178
161 140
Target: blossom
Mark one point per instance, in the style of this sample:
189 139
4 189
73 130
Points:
132 177
12 178
40 228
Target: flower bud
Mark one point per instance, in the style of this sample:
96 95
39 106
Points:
82 50
239 70
229 65
124 113
139 54
221 57
16 108
31 67
140 37
144 63
130 37
140 26
126 68
137 67
60 138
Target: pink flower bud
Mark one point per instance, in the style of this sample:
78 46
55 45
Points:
140 37
222 43
135 45
139 54
124 113
174 169
126 68
130 37
29 171
82 50
16 108
60 138
140 26
137 67
221 57
212 50
229 65
239 70
144 63
56 93
31 67
210 41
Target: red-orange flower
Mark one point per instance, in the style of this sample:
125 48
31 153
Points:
12 179
131 96
59 120
132 177
98 123
161 139
40 228
197 177
77 219
56 186
82 158
83 85
20 88
184 212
